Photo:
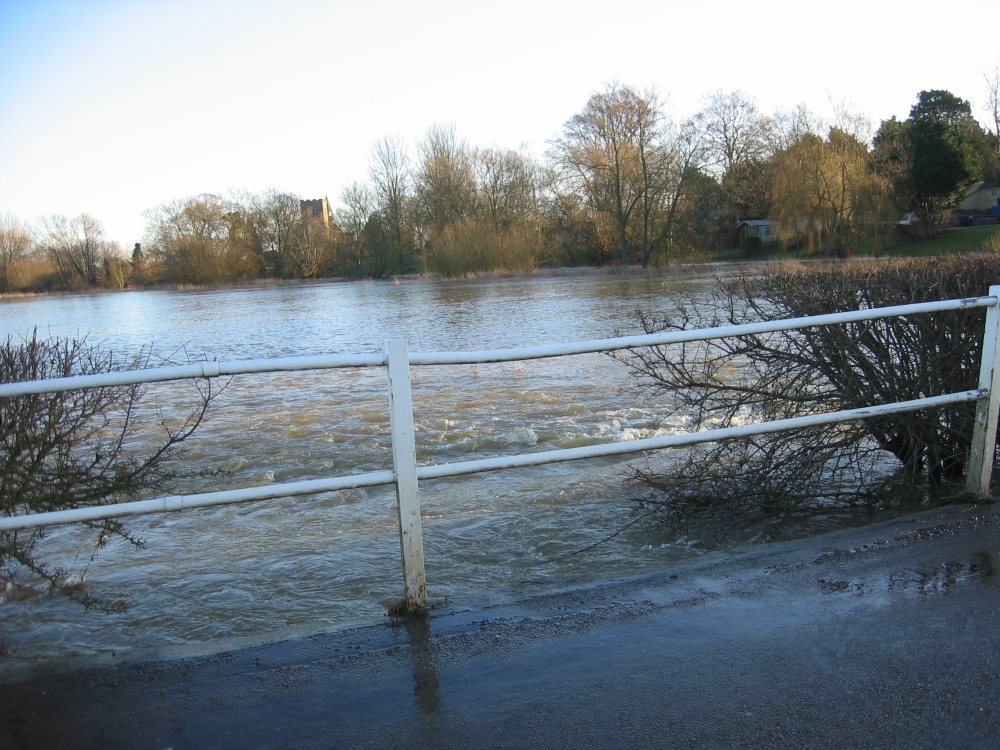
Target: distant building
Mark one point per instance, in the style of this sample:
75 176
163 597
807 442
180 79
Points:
317 209
766 229
982 197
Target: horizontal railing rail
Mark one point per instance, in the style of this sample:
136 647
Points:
172 503
406 474
216 368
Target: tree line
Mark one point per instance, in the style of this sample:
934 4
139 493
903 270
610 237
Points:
623 183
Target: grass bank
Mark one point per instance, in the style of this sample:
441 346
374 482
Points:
953 241
962 240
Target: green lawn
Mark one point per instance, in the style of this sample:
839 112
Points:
963 240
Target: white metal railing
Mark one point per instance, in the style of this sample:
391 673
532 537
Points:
406 474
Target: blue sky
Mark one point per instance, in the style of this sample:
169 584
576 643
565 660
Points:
112 107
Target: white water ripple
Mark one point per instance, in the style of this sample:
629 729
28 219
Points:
304 564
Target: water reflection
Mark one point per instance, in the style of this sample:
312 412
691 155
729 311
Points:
426 690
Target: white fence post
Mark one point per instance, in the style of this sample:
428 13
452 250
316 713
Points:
404 461
984 434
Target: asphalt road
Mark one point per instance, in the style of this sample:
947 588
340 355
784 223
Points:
882 637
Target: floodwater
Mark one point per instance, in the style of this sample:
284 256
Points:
296 565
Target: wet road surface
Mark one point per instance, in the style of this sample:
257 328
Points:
881 637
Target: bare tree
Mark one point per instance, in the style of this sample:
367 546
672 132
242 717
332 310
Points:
193 241
315 249
16 241
508 187
847 118
992 79
791 126
392 184
277 219
606 151
445 179
738 139
669 165
239 227
358 208
75 246
993 96
115 266
736 133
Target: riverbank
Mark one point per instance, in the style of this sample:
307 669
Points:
694 269
958 240
878 637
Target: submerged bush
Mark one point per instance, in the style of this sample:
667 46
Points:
471 247
75 449
766 480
